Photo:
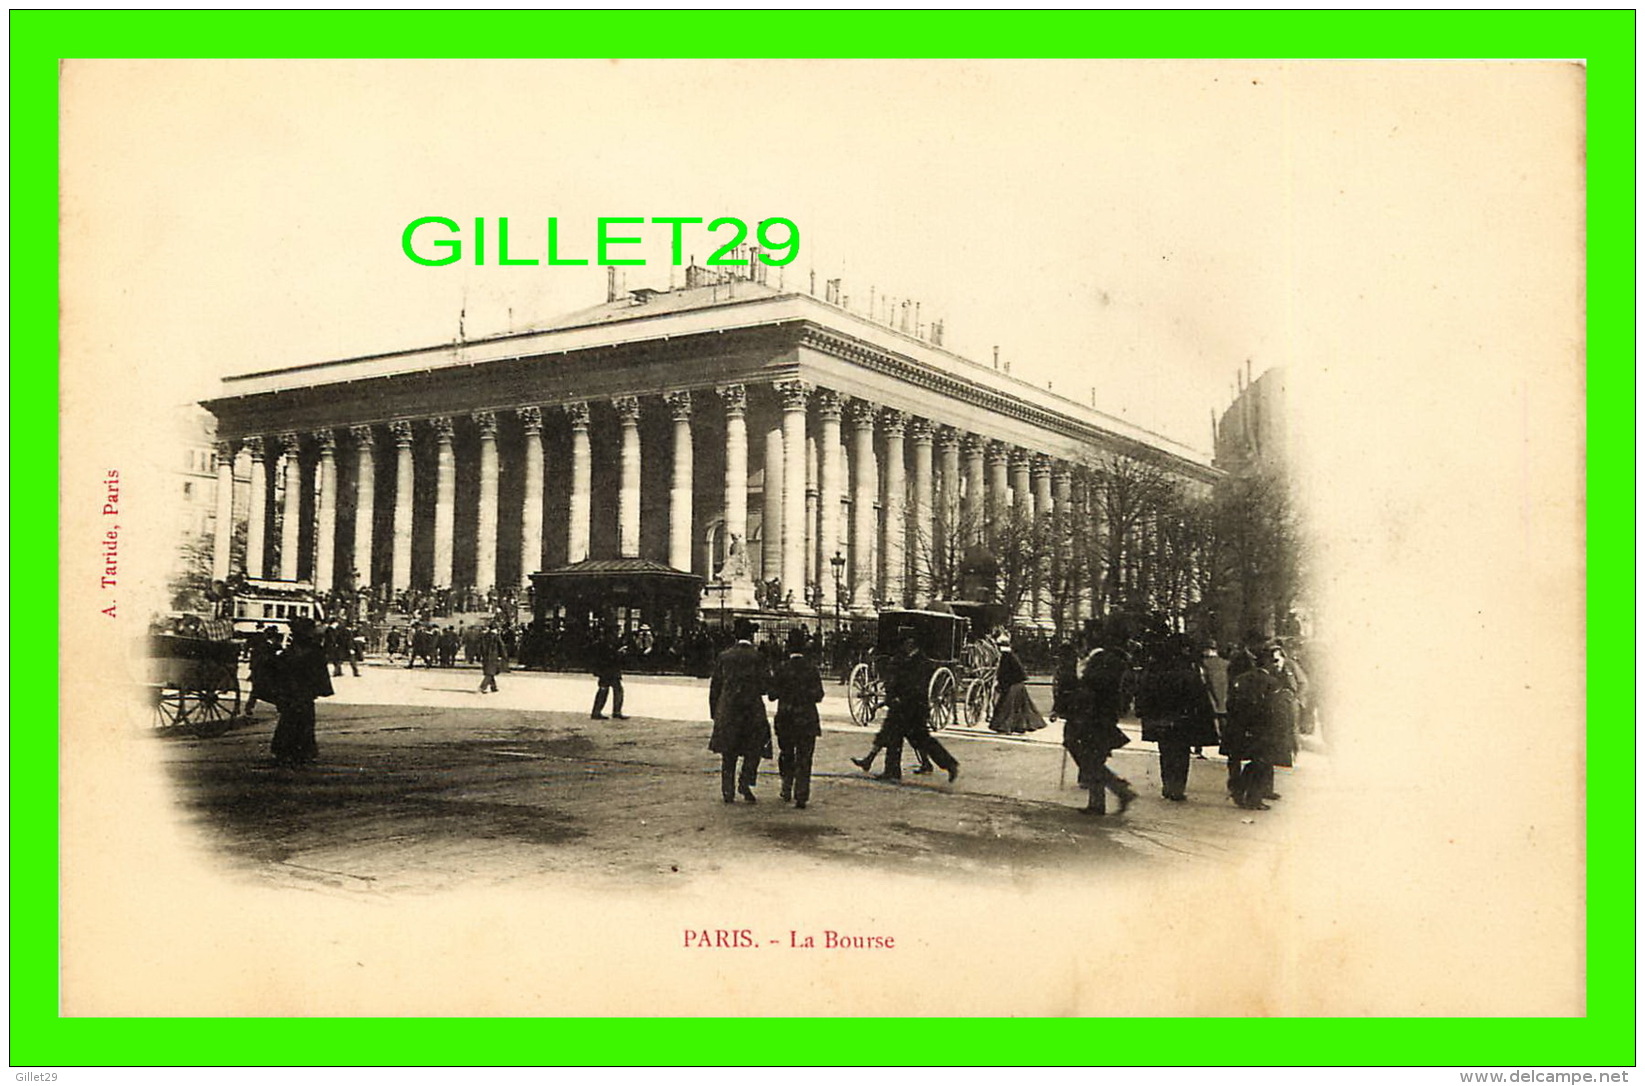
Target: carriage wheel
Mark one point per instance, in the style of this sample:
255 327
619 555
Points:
214 711
941 699
862 696
979 703
171 708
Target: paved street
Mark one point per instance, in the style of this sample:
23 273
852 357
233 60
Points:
424 784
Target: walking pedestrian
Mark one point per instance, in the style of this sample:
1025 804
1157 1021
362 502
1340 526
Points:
492 655
339 646
300 676
1014 711
262 649
1088 699
796 687
606 662
1175 713
1262 720
1213 673
736 700
908 707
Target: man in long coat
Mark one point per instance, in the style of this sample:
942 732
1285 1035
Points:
1262 720
736 698
300 676
907 712
263 648
493 657
796 687
1088 699
1175 712
423 641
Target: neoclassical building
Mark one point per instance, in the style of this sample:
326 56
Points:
677 426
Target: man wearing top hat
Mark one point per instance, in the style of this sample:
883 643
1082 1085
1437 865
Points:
736 698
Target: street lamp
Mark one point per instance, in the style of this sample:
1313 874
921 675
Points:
838 562
722 588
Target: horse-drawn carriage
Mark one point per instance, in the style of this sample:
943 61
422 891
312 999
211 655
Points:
193 678
953 636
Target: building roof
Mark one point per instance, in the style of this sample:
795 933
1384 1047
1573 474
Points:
654 303
617 567
648 319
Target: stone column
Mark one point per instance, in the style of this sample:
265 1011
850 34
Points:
812 574
578 514
222 542
485 532
628 496
920 539
1063 568
679 495
1084 568
291 513
325 514
531 512
735 398
771 509
865 487
944 544
795 396
404 474
999 487
365 501
257 514
1018 521
1046 535
896 513
830 484
445 501
973 508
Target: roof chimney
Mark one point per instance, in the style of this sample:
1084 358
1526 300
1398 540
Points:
996 356
611 284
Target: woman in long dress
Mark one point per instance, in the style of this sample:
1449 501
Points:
1014 711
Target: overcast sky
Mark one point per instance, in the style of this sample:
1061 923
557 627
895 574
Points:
1143 228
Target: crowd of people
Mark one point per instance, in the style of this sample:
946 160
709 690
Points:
439 646
1250 700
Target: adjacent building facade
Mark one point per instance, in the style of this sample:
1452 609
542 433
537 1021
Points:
727 425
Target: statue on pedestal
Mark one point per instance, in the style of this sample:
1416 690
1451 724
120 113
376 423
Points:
737 577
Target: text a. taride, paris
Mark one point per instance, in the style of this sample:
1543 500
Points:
110 543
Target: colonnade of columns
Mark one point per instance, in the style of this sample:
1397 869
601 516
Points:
860 502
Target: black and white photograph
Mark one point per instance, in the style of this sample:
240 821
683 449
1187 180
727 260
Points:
808 538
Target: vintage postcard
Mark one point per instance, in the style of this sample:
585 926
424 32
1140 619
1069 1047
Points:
808 538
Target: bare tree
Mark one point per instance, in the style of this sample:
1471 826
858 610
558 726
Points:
1125 493
1185 559
188 583
939 557
1260 546
1020 547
